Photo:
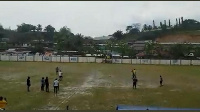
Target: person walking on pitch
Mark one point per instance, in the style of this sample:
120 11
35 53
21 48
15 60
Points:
55 85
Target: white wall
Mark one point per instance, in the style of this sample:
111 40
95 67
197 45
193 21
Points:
185 62
145 61
82 59
56 58
195 62
73 59
126 61
29 58
38 58
13 58
22 58
155 62
91 59
65 59
46 58
97 60
175 62
165 62
116 60
138 61
134 61
5 58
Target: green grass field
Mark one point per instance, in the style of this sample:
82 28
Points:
91 86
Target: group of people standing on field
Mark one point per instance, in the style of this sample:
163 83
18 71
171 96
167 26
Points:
45 82
135 80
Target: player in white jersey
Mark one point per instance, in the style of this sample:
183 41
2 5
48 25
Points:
55 85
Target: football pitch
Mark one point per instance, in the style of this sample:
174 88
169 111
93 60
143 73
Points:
92 86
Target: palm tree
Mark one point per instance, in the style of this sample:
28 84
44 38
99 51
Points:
49 28
39 28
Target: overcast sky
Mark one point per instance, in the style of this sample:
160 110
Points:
94 18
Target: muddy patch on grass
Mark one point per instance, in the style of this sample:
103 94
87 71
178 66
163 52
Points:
158 93
147 85
48 107
151 86
175 90
94 79
69 91
10 77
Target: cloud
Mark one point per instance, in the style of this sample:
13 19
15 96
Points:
94 18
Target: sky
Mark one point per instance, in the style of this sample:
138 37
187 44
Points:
95 18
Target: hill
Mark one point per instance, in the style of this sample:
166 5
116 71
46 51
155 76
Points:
181 37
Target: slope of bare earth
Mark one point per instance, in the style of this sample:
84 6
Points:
192 37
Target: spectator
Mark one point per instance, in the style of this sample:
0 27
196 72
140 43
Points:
28 84
47 84
42 84
3 103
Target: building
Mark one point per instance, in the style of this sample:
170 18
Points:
4 39
139 46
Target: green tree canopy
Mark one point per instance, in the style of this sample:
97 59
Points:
118 35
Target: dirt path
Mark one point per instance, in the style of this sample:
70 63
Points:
94 79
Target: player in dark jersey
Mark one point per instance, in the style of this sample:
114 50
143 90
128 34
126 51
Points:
134 83
161 81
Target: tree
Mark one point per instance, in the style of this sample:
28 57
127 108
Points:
176 21
78 42
118 35
109 46
150 28
65 31
39 28
49 28
197 51
136 25
50 32
153 24
66 40
25 28
1 28
131 53
134 28
60 38
122 48
37 48
191 24
181 20
150 49
33 28
178 51
128 28
161 25
165 22
145 27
